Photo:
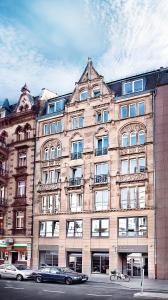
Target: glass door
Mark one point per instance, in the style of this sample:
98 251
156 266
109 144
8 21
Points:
75 262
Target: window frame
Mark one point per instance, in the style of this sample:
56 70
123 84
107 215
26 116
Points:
137 235
74 232
83 92
100 228
132 82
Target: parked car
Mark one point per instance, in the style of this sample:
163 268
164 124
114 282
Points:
19 272
58 274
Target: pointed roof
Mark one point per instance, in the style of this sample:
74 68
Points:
25 89
89 72
6 104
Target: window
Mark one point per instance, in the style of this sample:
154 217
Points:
51 176
59 126
50 204
75 228
22 159
100 227
84 95
45 129
52 153
101 200
51 108
141 137
131 227
58 151
141 196
124 142
52 128
76 149
132 138
133 165
101 146
123 112
141 108
133 86
19 219
21 188
101 172
59 105
77 122
76 175
132 110
46 154
49 229
102 117
96 92
75 202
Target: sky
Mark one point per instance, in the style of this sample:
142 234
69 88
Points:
46 43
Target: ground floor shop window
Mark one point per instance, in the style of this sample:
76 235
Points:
100 262
135 262
49 258
74 261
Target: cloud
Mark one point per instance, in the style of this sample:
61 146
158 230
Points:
137 37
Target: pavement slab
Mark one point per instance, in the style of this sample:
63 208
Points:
151 295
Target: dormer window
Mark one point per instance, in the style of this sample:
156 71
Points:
51 108
84 95
96 92
133 86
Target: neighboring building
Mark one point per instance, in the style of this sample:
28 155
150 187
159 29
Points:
94 179
17 148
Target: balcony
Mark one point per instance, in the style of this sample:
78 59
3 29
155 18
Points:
100 179
3 150
3 176
76 181
76 155
101 151
48 186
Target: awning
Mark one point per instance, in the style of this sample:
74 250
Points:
15 247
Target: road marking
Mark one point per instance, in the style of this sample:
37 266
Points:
11 287
96 295
60 292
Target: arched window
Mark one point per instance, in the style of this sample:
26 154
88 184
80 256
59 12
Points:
141 137
58 151
52 153
132 138
83 95
46 154
124 141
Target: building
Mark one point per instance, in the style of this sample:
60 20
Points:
17 148
83 176
94 205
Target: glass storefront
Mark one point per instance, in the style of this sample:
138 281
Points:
74 261
49 258
135 262
100 262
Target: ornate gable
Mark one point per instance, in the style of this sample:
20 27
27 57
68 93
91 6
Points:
90 82
25 101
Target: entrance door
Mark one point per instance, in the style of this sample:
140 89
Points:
75 261
14 257
135 264
100 263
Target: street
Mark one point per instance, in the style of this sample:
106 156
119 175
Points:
12 289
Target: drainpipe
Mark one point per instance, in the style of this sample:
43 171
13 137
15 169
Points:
154 179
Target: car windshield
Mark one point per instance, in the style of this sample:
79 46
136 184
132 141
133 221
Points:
66 270
22 267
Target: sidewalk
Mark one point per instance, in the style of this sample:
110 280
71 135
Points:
134 283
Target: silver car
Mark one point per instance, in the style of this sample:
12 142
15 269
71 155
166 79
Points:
18 272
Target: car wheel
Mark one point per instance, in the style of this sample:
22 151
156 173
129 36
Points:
39 279
19 277
68 281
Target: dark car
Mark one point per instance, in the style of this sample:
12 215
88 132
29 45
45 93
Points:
58 274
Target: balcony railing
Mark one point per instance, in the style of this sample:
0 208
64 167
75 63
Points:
3 150
101 178
101 151
76 155
75 181
48 186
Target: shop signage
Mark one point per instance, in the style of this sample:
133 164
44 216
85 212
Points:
2 242
132 248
